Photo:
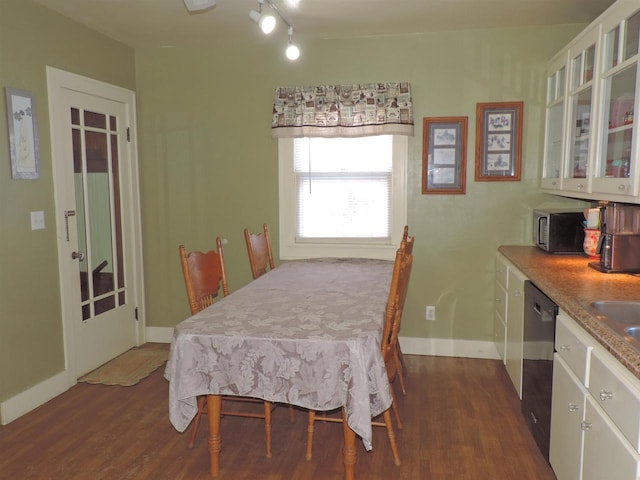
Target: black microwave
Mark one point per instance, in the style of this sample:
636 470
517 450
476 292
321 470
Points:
559 231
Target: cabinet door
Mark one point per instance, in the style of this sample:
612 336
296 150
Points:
617 160
515 327
554 123
567 414
607 454
582 68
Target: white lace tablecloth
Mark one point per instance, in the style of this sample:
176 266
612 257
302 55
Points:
307 333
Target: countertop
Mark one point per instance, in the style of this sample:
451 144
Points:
572 284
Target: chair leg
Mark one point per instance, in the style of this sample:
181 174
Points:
400 367
196 421
267 426
310 426
394 406
292 414
392 437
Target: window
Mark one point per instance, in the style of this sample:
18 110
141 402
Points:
342 196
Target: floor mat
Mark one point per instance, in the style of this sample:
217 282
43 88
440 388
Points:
128 368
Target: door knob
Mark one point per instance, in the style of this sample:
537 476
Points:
77 255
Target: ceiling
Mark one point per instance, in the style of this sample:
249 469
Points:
167 22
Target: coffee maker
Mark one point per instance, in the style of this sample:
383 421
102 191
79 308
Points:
619 244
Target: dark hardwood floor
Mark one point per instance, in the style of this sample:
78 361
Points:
462 421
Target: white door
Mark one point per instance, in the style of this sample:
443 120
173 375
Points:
98 222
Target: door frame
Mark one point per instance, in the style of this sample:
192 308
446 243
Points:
57 81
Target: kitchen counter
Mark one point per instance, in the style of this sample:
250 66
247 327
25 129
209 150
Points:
572 284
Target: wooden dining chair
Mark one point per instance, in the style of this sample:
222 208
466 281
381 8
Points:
399 285
259 249
204 277
406 244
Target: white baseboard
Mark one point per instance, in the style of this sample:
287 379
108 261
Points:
447 347
35 396
159 334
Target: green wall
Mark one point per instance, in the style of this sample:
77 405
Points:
31 37
209 164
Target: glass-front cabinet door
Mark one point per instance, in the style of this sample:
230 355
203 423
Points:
554 124
617 160
580 139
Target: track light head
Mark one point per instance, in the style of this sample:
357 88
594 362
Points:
267 23
292 52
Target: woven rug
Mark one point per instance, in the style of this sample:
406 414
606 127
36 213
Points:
129 368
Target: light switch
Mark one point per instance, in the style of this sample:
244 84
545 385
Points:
37 220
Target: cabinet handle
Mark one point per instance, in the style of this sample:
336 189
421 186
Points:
621 187
604 395
565 348
580 186
573 407
585 426
554 183
517 293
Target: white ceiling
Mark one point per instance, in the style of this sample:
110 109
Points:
167 22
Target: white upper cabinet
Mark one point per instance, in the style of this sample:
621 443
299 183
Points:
597 145
617 161
580 95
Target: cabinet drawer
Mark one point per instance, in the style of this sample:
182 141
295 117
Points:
573 345
502 269
501 300
617 392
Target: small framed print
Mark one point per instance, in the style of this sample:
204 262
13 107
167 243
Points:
444 154
498 141
23 134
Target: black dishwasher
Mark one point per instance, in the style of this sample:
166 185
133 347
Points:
537 363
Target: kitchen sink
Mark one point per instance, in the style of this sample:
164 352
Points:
625 312
623 317
633 332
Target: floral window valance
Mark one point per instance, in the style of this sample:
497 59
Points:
343 110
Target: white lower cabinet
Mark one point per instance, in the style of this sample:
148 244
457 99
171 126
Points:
567 415
607 454
515 327
508 321
595 410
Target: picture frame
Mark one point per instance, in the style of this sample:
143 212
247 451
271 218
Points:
444 155
24 146
498 141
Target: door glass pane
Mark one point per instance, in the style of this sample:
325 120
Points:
632 37
612 42
589 59
553 155
560 84
620 90
97 192
581 116
552 93
576 69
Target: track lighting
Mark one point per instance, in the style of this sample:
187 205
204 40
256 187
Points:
266 22
292 52
199 5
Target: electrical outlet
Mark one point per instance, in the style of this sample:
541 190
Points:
431 312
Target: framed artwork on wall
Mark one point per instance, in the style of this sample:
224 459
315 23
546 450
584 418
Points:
498 141
23 134
444 155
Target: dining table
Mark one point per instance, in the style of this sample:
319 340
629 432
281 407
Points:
307 333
